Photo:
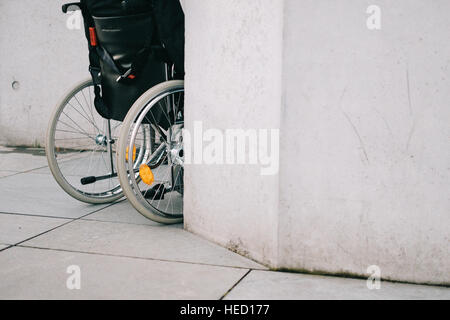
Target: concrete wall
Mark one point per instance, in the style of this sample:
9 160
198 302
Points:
364 117
44 57
367 116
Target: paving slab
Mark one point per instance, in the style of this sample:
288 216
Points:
16 228
39 194
20 159
122 212
265 285
155 242
42 274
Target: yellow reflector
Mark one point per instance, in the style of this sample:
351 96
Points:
146 174
134 153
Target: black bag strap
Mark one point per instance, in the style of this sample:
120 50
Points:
106 58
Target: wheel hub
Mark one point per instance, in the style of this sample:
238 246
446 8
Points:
175 147
177 154
101 140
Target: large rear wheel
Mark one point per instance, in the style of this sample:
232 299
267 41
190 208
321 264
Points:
80 148
154 185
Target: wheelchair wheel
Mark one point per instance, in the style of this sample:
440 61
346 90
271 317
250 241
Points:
80 147
155 185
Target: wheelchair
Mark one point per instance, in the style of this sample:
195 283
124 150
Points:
98 160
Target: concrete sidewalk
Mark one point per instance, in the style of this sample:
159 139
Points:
122 255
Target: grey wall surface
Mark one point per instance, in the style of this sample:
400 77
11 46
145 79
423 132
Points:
367 117
45 58
364 117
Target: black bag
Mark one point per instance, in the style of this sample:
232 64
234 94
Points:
125 53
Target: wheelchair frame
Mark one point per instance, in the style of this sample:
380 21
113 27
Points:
134 154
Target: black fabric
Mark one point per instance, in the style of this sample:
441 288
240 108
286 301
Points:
169 18
111 8
128 31
123 37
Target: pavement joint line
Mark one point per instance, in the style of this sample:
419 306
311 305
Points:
34 215
361 278
52 229
9 172
236 284
26 171
37 168
9 175
133 257
7 247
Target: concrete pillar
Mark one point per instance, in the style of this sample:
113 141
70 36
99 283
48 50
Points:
364 122
233 81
